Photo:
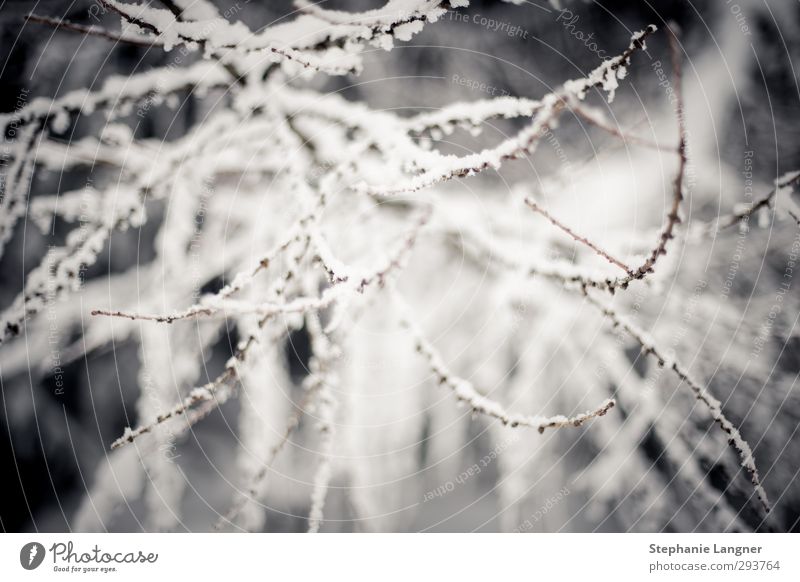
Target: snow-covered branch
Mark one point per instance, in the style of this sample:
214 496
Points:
713 406
467 394
605 76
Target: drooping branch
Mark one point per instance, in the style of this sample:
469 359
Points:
701 393
205 398
466 393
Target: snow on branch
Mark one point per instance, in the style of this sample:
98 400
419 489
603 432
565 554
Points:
552 105
220 305
16 184
120 93
392 14
495 254
466 393
323 379
218 38
266 311
714 406
742 216
673 215
310 40
202 400
91 30
61 270
472 114
397 19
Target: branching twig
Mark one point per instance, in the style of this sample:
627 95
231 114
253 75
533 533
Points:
220 306
713 405
253 488
523 143
764 202
581 239
465 392
673 217
92 30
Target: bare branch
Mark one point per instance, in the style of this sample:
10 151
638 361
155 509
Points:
581 239
596 119
94 31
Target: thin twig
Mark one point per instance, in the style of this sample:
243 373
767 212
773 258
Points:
763 202
524 142
287 52
600 123
673 216
465 392
581 239
253 489
714 406
227 380
92 30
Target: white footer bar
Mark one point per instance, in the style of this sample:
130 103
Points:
406 557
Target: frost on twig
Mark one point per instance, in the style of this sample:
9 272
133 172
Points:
467 394
702 394
545 117
743 215
324 381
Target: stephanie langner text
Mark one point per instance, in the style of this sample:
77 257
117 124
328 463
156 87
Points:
705 549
